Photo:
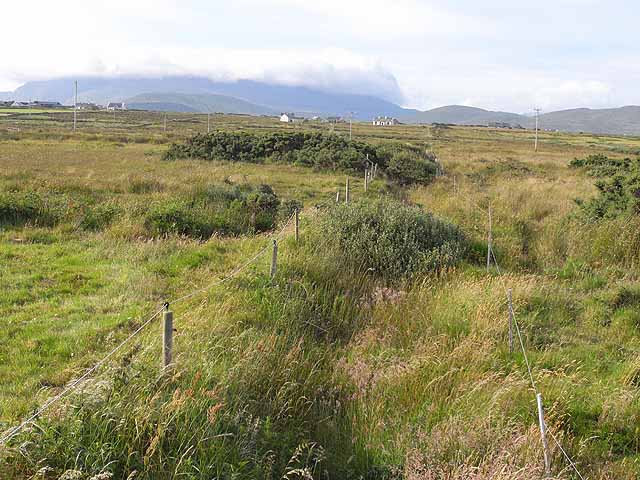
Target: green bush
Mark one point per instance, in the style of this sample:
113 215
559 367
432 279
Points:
618 186
18 208
221 209
408 164
392 239
98 216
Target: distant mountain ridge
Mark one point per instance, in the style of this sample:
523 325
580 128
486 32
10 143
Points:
197 94
201 103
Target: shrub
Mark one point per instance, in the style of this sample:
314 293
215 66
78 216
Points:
98 216
17 208
409 164
393 239
618 186
222 209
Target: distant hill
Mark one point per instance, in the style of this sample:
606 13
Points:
203 103
462 115
623 120
279 98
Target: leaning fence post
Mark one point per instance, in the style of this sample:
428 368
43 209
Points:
489 241
510 298
346 192
274 259
543 435
297 223
167 337
338 196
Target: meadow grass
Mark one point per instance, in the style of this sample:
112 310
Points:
328 371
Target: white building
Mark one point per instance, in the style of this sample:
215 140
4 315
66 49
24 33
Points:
385 121
116 106
290 118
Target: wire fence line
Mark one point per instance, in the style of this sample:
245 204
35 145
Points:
12 432
524 353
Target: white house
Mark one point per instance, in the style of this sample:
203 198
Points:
385 121
290 118
116 106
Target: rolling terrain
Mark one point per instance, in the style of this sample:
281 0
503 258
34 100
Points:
336 367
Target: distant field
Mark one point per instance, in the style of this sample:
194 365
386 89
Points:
420 381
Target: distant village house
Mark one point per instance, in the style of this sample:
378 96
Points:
385 121
44 104
116 106
87 106
290 118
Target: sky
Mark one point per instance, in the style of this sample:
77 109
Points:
496 54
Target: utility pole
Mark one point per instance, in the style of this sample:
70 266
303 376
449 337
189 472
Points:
537 110
350 122
75 105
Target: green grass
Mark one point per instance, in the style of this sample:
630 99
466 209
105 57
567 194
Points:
329 368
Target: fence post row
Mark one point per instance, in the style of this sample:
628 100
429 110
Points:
274 259
167 337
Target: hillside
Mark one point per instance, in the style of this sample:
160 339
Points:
463 115
624 120
279 98
202 103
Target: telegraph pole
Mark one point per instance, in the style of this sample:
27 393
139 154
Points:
537 110
75 105
350 121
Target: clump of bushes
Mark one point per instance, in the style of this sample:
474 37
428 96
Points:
28 208
618 184
403 163
392 239
217 209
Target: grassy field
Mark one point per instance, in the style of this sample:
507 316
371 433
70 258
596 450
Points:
328 371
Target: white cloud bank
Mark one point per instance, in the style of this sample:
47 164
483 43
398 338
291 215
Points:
494 54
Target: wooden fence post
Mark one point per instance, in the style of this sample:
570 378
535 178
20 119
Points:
338 196
366 179
543 435
455 185
167 337
510 298
274 259
489 241
297 222
346 192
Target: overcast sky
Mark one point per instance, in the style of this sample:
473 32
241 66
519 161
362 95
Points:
498 54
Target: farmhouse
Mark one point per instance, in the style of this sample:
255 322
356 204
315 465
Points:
385 121
290 118
116 106
7 103
334 119
20 104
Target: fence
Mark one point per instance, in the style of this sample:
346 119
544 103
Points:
167 330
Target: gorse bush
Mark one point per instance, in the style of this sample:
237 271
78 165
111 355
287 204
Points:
216 209
618 186
392 239
403 163
29 208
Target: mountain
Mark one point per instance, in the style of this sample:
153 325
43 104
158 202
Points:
202 103
623 120
462 115
278 98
